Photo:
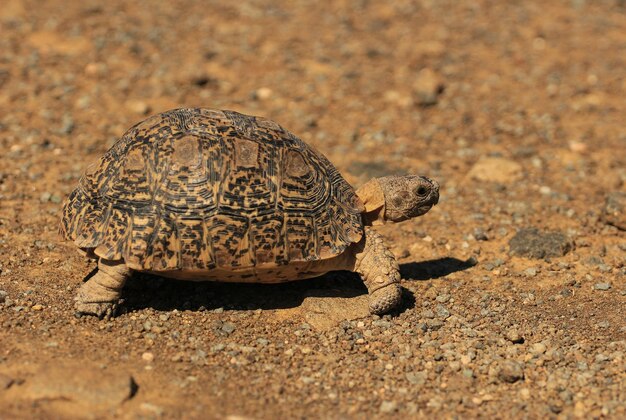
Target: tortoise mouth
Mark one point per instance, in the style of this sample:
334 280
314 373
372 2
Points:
410 214
421 210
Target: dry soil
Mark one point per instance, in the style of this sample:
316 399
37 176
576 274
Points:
516 107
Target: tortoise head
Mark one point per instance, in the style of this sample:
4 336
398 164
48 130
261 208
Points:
397 198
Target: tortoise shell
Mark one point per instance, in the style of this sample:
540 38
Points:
200 189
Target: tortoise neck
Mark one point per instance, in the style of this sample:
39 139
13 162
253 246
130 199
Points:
373 199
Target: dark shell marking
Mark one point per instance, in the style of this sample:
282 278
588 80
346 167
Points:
200 189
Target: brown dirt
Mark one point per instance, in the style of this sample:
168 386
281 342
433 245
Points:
516 108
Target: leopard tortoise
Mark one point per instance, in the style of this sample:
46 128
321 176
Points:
201 194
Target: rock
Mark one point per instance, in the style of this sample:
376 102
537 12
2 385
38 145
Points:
388 407
398 98
428 314
203 80
510 371
5 381
67 124
137 106
530 272
45 196
427 87
3 296
86 386
442 312
496 169
538 349
262 94
443 298
228 327
417 378
325 309
147 356
434 324
615 209
150 408
480 235
602 286
514 336
600 358
531 243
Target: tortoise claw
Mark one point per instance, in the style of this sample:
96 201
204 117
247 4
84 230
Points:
103 310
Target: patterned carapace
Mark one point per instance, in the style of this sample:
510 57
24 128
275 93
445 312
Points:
201 189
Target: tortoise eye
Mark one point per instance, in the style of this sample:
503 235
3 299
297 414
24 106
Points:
422 191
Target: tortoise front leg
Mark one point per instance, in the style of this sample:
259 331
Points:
100 294
380 272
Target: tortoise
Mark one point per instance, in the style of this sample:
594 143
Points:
209 195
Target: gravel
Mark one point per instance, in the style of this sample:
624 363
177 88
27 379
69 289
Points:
518 137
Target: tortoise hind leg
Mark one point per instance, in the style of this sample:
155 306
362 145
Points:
100 294
380 272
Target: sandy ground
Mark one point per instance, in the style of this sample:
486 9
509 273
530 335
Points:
516 108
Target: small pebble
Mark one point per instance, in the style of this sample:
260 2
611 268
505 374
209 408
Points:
538 349
530 272
545 190
228 327
428 314
151 408
5 381
427 87
388 407
442 312
510 371
263 93
138 107
602 286
443 298
416 378
480 235
514 336
147 356
67 124
602 358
